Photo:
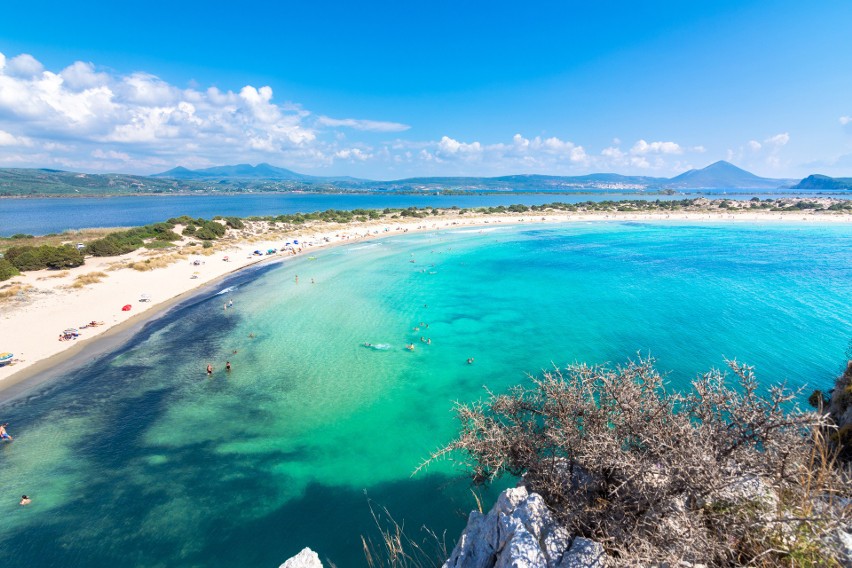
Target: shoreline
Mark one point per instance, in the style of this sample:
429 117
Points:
55 305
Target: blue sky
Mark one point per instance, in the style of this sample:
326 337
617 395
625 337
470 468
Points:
393 89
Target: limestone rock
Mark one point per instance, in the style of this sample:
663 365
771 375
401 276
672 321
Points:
584 553
307 558
520 532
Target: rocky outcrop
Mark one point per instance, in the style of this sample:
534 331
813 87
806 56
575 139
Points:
307 558
520 532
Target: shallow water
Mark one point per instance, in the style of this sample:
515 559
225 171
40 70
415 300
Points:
141 459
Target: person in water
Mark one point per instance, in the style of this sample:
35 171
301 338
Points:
228 366
25 500
209 369
470 360
410 347
4 435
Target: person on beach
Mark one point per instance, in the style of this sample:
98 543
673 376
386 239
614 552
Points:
228 366
209 369
25 500
4 435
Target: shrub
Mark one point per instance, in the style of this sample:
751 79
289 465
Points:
7 269
45 256
718 475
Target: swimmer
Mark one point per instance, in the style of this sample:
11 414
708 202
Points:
251 335
366 344
312 281
422 339
209 369
415 329
429 341
470 360
297 279
228 366
410 347
230 303
25 500
4 435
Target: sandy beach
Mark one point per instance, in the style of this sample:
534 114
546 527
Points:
49 302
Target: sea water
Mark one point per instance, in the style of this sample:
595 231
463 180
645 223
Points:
140 458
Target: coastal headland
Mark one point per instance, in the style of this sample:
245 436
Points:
39 306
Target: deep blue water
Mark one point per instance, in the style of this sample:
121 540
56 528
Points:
39 216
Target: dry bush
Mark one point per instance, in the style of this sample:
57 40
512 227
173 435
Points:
13 291
720 475
154 262
86 279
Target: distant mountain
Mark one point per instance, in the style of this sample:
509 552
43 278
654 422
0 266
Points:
240 171
268 178
247 172
817 181
723 175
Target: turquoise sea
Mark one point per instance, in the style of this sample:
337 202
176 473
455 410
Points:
140 459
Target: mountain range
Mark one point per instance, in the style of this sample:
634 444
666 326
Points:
720 175
268 178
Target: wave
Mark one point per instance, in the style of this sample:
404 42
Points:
226 290
378 346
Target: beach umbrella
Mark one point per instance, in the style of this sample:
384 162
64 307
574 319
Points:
5 356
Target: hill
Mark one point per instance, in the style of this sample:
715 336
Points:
817 181
723 175
261 171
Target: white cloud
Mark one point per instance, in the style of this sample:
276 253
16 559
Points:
754 145
353 154
612 152
77 110
80 76
7 139
778 140
641 148
24 65
844 120
360 124
110 155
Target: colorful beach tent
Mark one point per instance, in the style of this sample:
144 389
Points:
126 308
5 357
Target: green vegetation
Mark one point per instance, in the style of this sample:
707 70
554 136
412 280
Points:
123 242
45 256
7 269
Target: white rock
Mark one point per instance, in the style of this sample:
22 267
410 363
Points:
584 553
520 532
307 558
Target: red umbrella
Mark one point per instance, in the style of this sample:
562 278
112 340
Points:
126 308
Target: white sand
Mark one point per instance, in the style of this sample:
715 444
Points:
30 325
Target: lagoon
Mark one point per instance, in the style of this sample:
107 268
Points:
39 216
138 458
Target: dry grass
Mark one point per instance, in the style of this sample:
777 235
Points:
154 262
12 291
87 279
397 549
61 274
